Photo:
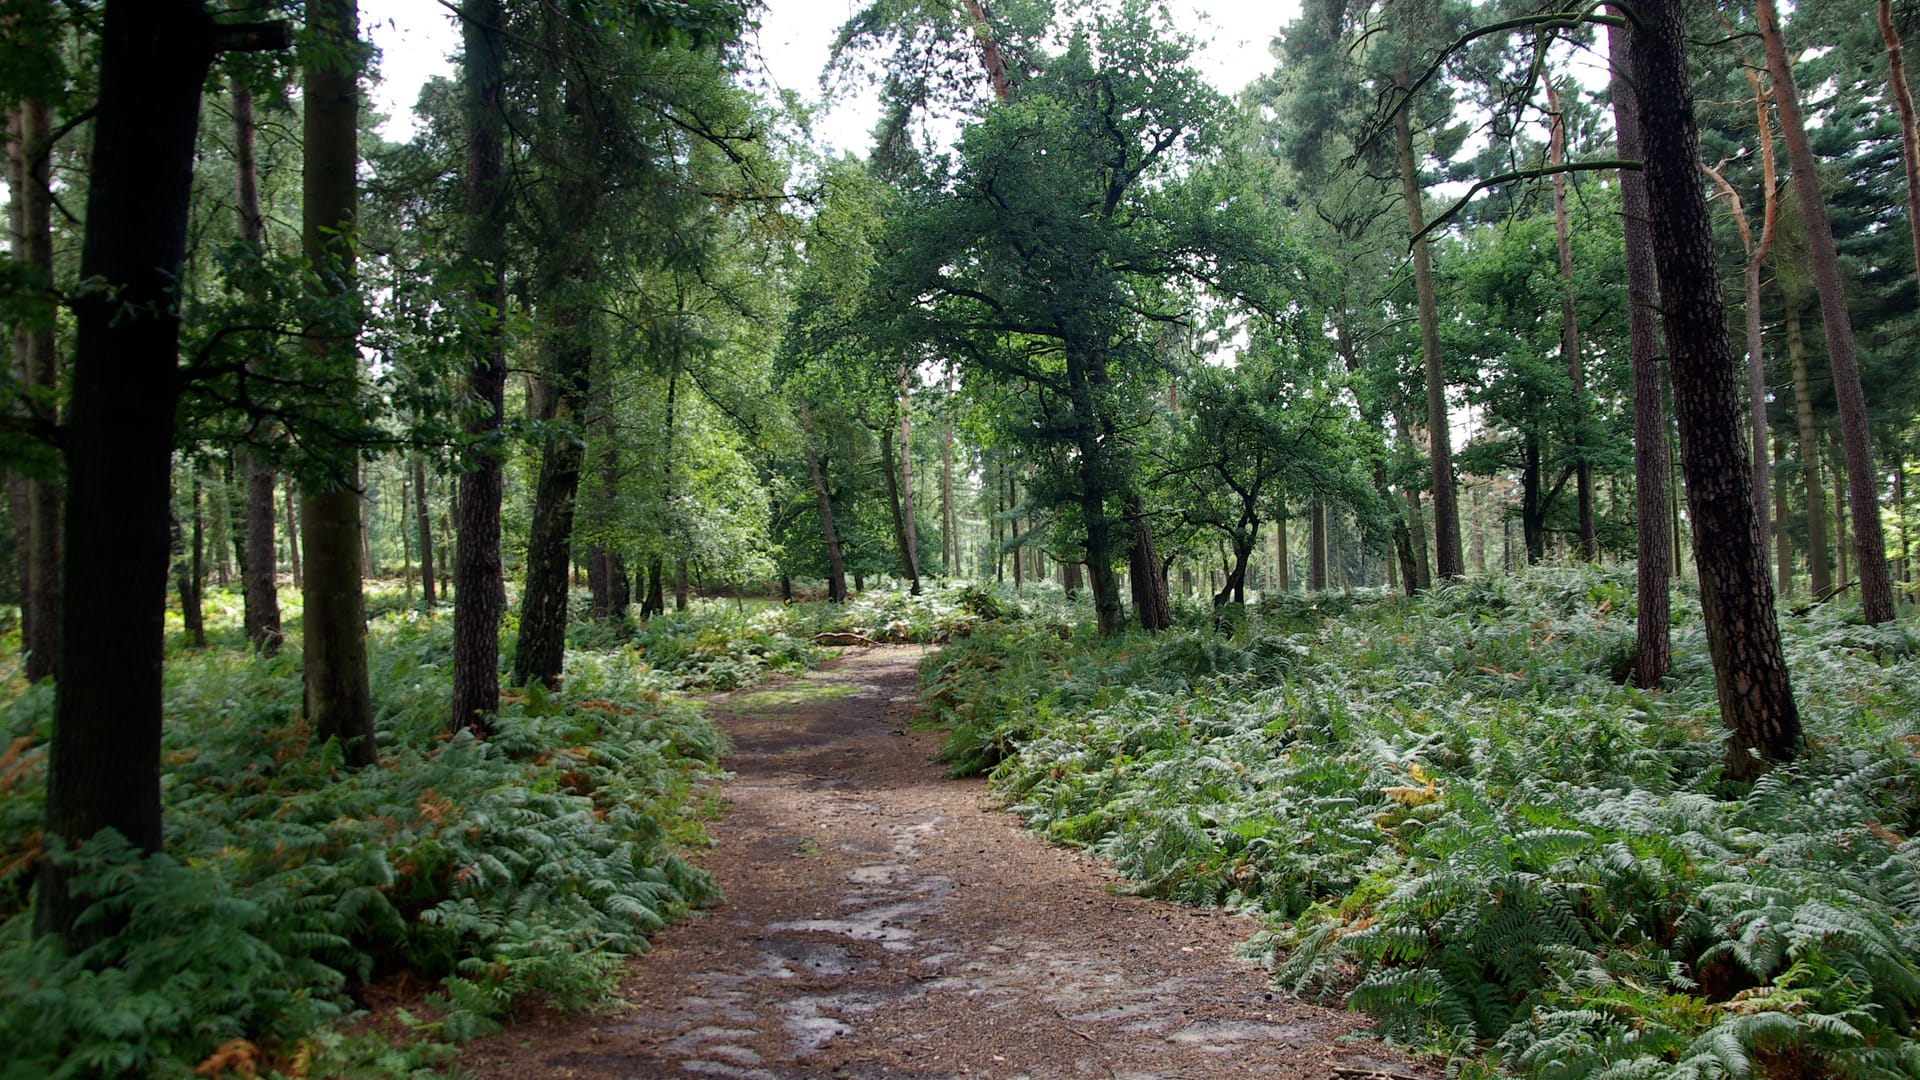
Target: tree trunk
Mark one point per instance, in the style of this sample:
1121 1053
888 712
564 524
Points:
1869 542
1146 573
1840 515
1570 334
104 758
1446 518
1653 648
334 625
1422 577
1280 553
40 589
1317 547
17 481
680 585
899 505
912 539
1819 564
655 602
477 573
1909 134
259 590
541 650
1756 702
836 566
193 574
293 537
949 518
422 508
1782 551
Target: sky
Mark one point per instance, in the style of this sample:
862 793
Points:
416 37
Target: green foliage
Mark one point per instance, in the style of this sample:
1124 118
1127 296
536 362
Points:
1449 811
520 867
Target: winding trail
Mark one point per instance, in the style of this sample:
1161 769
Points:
881 920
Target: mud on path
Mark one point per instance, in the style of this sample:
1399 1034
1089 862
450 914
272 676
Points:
881 920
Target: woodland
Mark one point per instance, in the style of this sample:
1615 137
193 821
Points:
1449 500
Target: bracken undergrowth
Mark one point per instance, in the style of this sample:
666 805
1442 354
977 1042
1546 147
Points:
1451 814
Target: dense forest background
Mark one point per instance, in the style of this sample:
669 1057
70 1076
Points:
370 501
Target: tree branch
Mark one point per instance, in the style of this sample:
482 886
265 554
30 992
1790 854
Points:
1536 173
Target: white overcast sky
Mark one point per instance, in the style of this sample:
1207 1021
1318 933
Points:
416 38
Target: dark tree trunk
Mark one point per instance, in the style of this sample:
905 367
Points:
293 538
1416 517
1533 510
334 626
104 758
1146 572
1446 516
17 481
1653 650
1317 548
1756 703
422 512
541 650
1280 552
193 575
836 566
1819 563
680 585
1782 551
40 587
949 517
258 569
655 602
478 583
1863 482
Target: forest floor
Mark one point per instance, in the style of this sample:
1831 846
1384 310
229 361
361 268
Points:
883 920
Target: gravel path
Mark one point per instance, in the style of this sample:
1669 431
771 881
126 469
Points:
881 920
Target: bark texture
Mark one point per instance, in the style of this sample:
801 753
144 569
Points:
477 596
260 597
104 756
334 626
1736 592
1446 515
1653 646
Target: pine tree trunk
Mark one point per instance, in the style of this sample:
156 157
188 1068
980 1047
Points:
1819 564
1743 637
1869 541
40 600
17 481
1446 518
1422 577
949 519
1909 133
422 510
1653 647
477 571
193 574
1840 515
655 602
1570 334
259 590
103 767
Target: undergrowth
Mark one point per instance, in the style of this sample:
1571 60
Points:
1451 814
518 867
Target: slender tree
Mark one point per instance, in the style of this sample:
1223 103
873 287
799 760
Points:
259 595
1570 331
1869 541
1909 130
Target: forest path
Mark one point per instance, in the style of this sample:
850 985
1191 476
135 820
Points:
881 920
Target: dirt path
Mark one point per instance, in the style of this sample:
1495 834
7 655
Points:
881 920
